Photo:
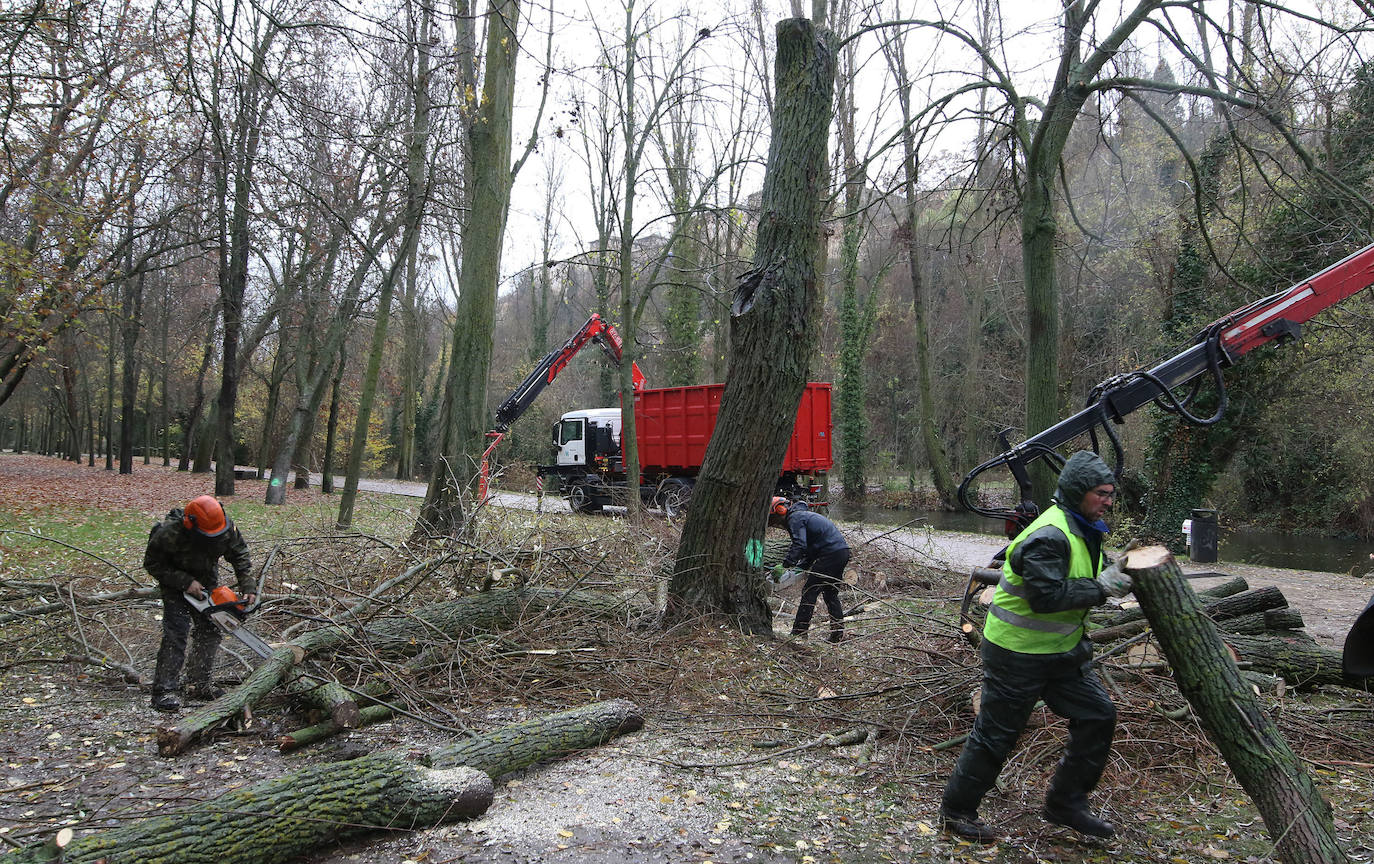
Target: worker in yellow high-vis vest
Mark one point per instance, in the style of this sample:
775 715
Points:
1034 647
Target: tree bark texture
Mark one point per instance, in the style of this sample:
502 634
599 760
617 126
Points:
772 332
283 819
463 416
1256 623
1297 816
1295 658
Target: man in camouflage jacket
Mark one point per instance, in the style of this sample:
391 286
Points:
183 556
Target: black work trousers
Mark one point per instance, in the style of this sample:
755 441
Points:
824 577
1012 684
179 620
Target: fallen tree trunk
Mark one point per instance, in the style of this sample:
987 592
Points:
1246 603
280 820
1257 623
1294 657
1297 816
389 635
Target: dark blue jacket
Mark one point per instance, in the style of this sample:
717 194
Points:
813 536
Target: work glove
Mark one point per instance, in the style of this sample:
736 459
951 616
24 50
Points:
1114 582
791 577
776 574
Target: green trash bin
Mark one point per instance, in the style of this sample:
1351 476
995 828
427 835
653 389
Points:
1203 546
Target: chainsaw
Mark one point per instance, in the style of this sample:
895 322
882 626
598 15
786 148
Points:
226 611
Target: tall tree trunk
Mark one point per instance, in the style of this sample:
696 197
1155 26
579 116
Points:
855 314
417 186
1044 143
771 333
280 363
629 320
189 435
130 324
463 415
327 463
164 408
410 369
926 432
107 419
367 394
72 415
235 191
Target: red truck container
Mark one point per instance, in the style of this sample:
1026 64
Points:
674 424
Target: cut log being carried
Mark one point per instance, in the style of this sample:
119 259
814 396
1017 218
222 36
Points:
1299 819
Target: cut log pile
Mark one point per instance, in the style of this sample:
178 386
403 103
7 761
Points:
1263 633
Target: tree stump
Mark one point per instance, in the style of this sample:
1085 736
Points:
1297 816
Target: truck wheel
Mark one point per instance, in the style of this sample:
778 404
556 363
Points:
673 498
581 500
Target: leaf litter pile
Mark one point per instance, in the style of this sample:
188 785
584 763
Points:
781 750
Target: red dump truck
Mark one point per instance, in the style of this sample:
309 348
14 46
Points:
672 428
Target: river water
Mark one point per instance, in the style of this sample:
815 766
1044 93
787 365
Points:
1241 545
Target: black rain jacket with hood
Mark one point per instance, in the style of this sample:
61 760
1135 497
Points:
1042 559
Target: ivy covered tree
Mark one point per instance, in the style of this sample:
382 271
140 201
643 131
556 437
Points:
1325 220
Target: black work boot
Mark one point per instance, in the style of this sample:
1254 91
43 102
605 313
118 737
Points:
1079 819
968 826
166 701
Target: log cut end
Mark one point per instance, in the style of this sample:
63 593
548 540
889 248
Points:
172 740
468 791
1146 558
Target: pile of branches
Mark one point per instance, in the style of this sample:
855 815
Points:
906 678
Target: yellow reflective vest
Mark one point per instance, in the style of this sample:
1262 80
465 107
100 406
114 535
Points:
1011 622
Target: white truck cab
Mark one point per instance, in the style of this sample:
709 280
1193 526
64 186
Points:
575 430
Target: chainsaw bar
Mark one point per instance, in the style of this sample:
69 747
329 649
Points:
227 622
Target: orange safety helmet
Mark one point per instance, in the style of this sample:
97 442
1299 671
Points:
205 515
778 507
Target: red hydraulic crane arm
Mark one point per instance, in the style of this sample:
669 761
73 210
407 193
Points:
556 361
609 339
1276 317
542 376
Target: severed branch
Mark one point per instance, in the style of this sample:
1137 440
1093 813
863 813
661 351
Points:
390 635
72 598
